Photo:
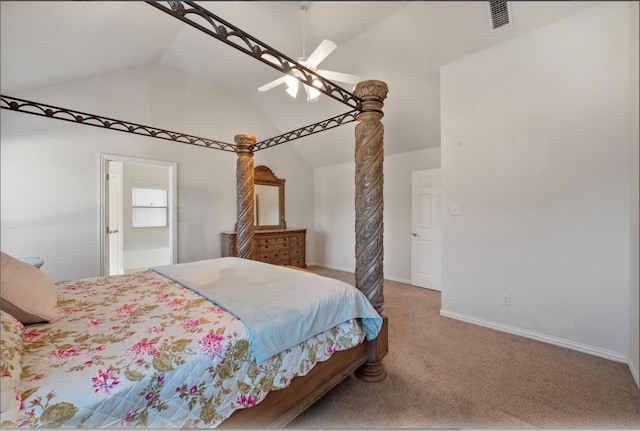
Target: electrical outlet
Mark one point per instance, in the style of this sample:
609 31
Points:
506 300
455 209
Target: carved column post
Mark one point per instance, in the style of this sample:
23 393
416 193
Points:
369 180
369 157
244 189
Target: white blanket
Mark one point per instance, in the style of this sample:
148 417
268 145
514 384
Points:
280 306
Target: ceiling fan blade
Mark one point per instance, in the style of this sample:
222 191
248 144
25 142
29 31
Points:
339 76
323 50
268 86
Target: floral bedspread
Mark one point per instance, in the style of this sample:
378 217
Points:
139 350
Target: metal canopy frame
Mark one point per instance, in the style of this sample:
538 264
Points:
35 108
238 39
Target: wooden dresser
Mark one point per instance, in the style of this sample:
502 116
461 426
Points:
280 247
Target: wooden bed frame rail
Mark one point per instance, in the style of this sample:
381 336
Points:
281 407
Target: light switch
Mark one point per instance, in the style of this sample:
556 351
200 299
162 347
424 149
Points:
455 209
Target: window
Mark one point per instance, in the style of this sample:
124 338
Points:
149 207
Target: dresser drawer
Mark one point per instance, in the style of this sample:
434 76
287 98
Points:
275 257
278 247
297 241
298 262
263 257
273 243
281 258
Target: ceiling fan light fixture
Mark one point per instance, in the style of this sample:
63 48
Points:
290 81
293 90
293 74
313 93
292 85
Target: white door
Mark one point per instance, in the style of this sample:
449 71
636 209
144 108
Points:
114 229
426 192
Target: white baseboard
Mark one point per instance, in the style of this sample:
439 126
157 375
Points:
584 348
634 371
399 280
351 270
337 268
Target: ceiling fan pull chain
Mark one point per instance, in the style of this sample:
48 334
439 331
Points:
304 6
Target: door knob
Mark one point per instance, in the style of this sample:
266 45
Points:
414 234
112 231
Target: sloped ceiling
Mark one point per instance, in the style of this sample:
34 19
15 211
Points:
401 43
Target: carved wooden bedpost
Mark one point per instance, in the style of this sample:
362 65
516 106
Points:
244 190
369 157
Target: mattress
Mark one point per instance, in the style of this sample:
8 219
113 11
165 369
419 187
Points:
140 350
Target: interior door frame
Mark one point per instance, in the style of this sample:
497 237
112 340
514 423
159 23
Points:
172 203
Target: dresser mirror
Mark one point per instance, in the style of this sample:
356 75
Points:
268 194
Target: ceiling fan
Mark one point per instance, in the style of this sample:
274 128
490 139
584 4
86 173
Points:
321 52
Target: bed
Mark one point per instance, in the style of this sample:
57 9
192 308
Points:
155 349
126 340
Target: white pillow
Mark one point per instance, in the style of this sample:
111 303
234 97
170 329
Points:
26 292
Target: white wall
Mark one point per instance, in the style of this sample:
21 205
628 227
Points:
634 322
50 191
535 146
334 200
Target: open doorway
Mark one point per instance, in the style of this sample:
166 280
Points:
138 214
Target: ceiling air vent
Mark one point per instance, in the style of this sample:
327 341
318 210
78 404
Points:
499 13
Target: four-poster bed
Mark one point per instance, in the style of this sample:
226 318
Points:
365 359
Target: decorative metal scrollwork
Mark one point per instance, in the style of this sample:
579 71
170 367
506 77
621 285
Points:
330 123
44 110
177 7
228 34
233 36
35 108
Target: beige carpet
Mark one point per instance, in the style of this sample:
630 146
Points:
443 373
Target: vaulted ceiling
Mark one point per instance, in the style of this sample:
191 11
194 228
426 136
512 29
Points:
401 43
